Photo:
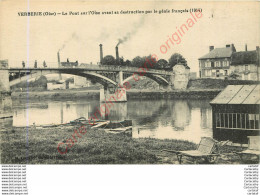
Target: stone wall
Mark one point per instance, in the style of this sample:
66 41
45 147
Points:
5 105
4 76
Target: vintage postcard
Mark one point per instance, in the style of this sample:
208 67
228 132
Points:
129 82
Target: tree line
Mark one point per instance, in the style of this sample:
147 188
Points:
138 61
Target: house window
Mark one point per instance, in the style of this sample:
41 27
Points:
225 63
208 73
207 64
217 73
237 121
246 67
217 64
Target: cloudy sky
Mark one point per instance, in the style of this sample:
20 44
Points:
78 37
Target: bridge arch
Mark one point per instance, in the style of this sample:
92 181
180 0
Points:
157 78
90 75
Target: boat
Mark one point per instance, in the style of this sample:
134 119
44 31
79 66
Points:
119 130
115 127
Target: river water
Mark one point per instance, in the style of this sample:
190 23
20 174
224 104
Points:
163 119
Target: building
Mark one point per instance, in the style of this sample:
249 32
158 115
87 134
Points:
81 81
216 63
235 113
245 64
61 84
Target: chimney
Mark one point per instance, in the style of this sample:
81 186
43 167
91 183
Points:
245 47
101 53
258 61
211 48
59 65
227 46
58 55
117 54
233 48
258 55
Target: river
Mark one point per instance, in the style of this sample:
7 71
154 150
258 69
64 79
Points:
163 119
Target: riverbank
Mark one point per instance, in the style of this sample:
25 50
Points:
68 94
72 94
94 147
174 94
205 88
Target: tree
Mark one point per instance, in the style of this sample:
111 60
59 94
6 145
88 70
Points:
146 61
40 82
151 62
162 64
127 63
109 60
177 58
121 61
138 61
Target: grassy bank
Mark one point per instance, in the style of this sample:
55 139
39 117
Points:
131 94
68 94
208 83
174 94
95 147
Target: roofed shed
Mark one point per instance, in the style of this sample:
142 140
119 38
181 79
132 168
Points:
235 113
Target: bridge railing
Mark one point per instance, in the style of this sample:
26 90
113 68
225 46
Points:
119 68
30 65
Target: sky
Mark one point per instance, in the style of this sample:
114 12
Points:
78 36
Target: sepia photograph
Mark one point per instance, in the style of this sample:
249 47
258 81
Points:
172 83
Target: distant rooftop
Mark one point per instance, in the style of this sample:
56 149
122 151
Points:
225 52
244 57
238 94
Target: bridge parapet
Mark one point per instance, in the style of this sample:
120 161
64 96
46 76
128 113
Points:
91 67
122 68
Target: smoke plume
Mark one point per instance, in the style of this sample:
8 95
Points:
74 36
129 35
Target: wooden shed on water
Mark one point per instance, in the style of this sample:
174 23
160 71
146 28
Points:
235 113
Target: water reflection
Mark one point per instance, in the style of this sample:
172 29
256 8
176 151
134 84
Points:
115 111
163 119
176 119
51 112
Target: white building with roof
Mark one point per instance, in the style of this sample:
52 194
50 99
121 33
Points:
216 63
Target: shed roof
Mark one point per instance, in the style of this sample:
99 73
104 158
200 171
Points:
225 52
238 94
